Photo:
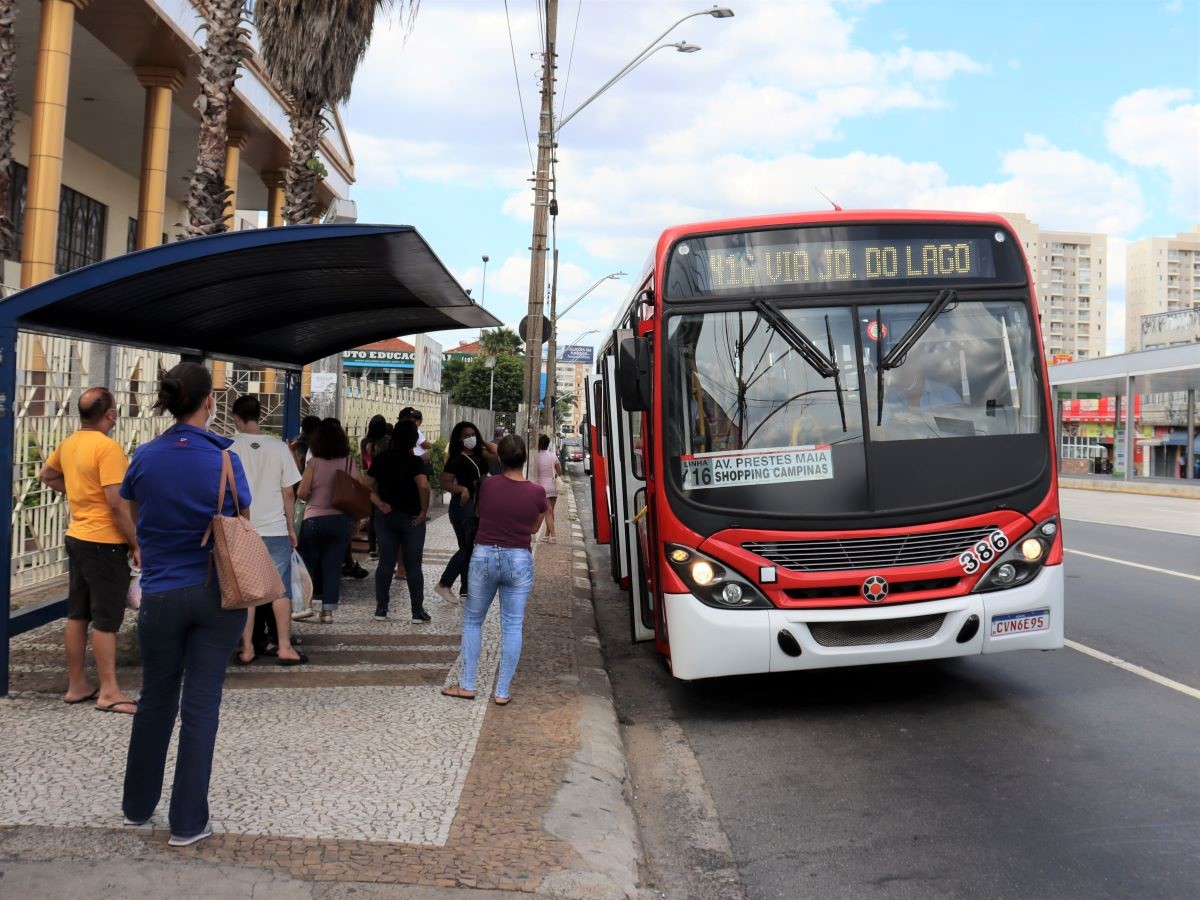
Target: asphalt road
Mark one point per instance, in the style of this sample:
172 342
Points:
1027 774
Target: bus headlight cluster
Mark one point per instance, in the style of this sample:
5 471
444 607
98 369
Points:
1020 562
713 583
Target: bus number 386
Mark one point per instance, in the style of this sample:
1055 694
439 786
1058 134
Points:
983 552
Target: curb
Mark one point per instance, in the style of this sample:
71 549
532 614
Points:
1188 491
592 810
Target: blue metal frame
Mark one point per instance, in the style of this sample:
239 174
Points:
8 418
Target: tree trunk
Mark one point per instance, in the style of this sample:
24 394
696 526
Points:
8 112
227 44
304 168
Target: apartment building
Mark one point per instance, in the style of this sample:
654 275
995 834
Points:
1162 275
1071 282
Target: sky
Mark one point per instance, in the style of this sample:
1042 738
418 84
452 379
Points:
1082 114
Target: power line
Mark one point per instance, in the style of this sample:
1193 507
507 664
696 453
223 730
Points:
517 77
571 57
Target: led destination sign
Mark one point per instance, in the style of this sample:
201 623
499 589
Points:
762 261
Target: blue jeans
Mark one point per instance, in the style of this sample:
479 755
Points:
462 519
396 533
186 640
510 571
323 543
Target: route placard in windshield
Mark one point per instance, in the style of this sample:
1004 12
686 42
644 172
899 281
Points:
816 259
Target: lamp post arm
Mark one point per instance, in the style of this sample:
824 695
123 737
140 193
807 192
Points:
571 305
630 66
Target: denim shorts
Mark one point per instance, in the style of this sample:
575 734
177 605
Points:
280 549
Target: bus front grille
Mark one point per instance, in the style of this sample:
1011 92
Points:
883 631
843 554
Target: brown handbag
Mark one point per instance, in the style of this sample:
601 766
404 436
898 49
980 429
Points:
245 571
350 495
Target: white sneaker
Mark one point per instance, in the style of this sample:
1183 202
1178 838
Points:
174 841
302 615
135 824
448 595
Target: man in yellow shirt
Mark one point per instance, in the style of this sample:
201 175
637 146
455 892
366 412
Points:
89 467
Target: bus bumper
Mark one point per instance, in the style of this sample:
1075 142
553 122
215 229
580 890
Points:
708 642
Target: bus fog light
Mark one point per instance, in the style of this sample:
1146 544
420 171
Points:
732 594
680 555
1031 549
1049 529
1006 574
702 572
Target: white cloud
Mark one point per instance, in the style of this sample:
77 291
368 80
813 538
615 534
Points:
1159 128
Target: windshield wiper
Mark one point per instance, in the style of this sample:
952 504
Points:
896 357
800 342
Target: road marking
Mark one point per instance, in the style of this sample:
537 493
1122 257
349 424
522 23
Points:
1136 670
1125 562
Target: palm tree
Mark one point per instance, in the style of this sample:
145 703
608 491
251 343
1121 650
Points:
227 44
500 340
8 114
311 50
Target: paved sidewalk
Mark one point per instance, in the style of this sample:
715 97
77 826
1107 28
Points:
352 770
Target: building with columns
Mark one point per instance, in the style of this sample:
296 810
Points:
107 129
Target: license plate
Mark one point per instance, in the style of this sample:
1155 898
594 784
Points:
1021 623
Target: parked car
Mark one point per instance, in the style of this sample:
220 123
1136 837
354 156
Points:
573 450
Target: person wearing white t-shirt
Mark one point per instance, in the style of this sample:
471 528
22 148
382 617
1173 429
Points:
272 475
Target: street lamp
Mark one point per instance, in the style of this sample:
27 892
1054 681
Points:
551 354
490 363
547 134
483 293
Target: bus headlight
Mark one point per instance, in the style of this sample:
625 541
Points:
1020 562
713 583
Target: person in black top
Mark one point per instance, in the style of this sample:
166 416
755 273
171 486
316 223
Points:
400 493
467 461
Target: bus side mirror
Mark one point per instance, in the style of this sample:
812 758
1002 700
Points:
633 374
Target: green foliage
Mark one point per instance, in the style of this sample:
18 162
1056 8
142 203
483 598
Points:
315 165
501 341
473 385
452 370
437 459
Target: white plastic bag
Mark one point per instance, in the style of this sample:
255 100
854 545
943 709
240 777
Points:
302 587
133 597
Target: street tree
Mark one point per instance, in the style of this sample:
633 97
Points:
227 43
501 340
452 370
311 50
475 384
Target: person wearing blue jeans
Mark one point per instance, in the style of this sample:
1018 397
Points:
323 542
325 534
172 487
510 509
400 495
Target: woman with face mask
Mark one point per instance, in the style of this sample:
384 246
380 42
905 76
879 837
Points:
172 486
467 460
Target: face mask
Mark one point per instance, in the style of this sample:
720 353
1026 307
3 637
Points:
469 443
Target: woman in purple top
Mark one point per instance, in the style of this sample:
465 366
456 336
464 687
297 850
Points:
326 531
510 509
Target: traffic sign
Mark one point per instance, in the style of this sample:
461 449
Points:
523 330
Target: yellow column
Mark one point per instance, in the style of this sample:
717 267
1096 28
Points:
160 84
275 182
234 145
49 130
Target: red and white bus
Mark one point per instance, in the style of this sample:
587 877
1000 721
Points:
825 440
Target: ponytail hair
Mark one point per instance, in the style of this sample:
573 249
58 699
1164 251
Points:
183 389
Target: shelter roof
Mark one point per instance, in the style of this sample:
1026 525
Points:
1164 370
286 295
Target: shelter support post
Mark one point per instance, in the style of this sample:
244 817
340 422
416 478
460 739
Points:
39 246
234 145
161 84
8 421
291 404
275 182
1058 432
1190 449
1130 406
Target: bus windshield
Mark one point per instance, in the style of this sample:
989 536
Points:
748 411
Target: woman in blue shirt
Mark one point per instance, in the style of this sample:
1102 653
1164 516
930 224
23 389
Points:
172 486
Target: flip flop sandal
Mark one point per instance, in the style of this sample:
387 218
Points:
502 701
244 662
92 696
112 708
293 662
458 693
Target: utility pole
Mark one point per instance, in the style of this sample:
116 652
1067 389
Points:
537 267
551 348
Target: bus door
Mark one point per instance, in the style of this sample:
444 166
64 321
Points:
597 458
629 497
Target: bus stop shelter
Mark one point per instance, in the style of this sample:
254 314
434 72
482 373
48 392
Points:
1166 370
281 297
